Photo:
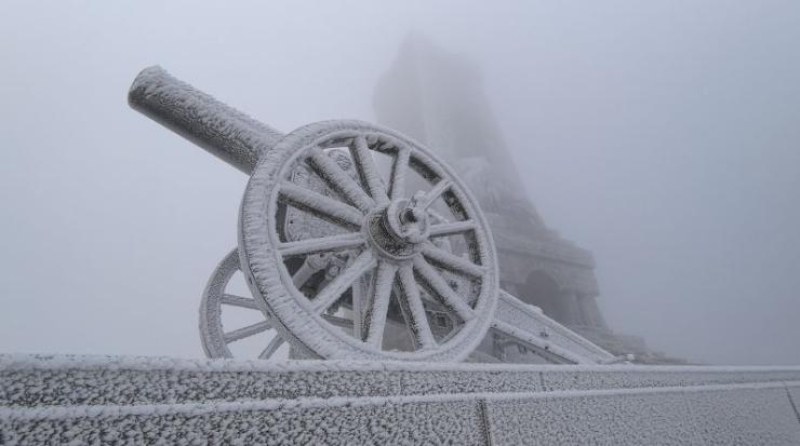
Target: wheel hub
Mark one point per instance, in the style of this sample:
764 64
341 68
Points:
398 230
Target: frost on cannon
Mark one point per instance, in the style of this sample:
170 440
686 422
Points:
356 242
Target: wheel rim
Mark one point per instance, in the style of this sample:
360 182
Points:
384 225
215 299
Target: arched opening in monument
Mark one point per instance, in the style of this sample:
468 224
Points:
542 290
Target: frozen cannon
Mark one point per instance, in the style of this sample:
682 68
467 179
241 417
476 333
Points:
355 241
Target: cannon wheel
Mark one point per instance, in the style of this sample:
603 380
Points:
215 338
383 222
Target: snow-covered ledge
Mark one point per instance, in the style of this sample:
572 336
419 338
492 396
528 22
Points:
58 399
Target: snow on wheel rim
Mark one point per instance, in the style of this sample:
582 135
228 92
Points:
406 308
212 333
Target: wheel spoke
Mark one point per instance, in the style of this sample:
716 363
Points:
322 244
239 301
450 228
340 181
271 348
452 262
377 305
413 310
246 332
368 171
439 286
398 183
334 289
320 205
435 193
359 294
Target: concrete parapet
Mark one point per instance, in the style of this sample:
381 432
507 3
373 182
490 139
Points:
60 399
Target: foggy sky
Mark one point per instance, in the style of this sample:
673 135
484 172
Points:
665 138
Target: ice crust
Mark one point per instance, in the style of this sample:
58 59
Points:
125 400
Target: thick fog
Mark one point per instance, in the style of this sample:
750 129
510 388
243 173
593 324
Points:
662 136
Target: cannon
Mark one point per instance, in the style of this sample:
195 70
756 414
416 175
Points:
355 241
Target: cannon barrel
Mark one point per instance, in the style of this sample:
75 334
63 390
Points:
227 133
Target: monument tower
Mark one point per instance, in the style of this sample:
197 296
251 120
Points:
437 98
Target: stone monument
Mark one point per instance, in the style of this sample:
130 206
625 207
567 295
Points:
437 98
